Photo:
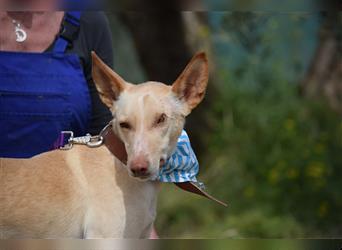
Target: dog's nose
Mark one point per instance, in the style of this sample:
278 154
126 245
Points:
139 171
139 167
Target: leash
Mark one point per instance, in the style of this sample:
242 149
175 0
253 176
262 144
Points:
118 150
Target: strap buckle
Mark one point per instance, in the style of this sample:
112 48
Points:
69 31
68 145
70 26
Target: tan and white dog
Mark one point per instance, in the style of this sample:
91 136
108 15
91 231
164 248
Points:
87 192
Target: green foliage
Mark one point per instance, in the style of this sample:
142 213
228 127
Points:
275 158
272 154
277 151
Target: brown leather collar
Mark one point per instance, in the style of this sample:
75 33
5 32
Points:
117 148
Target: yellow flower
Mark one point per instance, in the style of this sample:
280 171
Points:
289 124
315 169
273 176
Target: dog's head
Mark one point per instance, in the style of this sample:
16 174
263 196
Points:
149 117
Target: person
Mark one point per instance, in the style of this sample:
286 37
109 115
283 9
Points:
46 78
46 85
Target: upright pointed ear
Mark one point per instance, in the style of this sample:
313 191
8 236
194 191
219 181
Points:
107 82
191 84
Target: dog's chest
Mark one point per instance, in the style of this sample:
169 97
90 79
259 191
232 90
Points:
119 207
100 223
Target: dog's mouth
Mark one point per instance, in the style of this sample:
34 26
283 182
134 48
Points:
139 175
143 178
149 177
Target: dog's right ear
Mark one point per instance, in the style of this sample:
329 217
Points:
107 82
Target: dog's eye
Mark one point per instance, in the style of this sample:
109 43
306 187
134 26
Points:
125 125
161 119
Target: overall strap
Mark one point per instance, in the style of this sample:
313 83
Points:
70 28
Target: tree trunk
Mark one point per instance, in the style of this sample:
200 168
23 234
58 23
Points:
159 38
324 77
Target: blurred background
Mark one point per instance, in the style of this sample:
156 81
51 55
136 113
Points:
268 135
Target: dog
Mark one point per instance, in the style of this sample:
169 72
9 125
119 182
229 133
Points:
87 192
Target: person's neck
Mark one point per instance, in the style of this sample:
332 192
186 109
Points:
29 5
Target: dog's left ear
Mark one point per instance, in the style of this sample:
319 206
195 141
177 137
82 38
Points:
191 84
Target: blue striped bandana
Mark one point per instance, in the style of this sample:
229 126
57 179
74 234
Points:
182 165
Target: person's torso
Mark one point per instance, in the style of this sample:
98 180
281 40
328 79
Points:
41 94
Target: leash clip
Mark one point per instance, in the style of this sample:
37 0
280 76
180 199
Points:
88 140
94 141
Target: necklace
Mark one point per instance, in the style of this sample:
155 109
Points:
20 33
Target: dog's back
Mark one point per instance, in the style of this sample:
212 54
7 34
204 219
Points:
81 193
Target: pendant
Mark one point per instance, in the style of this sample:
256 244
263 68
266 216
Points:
21 34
